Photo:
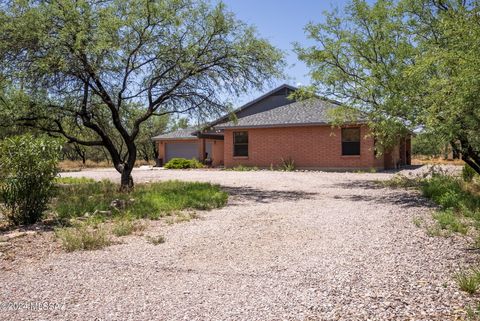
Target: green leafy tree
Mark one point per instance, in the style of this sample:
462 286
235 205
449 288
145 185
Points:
402 65
89 63
28 166
429 144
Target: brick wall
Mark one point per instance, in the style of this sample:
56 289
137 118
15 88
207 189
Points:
309 147
217 151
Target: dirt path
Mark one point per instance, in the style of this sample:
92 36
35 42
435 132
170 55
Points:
289 246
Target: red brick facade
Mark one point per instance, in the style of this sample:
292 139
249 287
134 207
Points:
307 146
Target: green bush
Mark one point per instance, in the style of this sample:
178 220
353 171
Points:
288 165
448 220
448 193
28 167
183 163
468 173
443 190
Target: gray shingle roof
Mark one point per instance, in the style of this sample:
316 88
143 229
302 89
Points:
185 133
313 111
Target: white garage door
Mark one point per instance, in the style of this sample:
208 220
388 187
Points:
181 150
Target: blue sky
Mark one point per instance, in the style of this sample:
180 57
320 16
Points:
282 23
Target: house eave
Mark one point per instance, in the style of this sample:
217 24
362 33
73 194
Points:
288 125
156 139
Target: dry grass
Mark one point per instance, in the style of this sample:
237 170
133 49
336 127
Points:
83 237
69 166
423 160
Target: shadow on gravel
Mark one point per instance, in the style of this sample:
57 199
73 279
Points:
397 196
265 196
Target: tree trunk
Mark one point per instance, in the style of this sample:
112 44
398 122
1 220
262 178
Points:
126 180
471 162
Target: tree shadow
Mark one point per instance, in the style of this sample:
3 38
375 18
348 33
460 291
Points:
397 196
265 196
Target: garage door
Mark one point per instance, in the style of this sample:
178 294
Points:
181 150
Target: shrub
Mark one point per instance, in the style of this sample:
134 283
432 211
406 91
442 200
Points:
448 192
126 226
183 163
243 168
401 181
447 220
83 238
468 173
27 173
288 165
468 281
156 240
443 190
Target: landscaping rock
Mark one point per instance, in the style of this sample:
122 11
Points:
290 246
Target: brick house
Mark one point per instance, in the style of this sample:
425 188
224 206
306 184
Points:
273 128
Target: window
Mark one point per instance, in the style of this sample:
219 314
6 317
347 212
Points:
350 141
240 143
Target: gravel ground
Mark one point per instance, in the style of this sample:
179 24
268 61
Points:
289 246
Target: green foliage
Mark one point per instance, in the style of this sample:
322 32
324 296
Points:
83 237
75 200
428 144
468 173
401 181
182 163
27 172
288 165
146 201
459 201
473 313
448 220
448 192
243 168
164 198
126 225
468 281
108 68
404 65
74 180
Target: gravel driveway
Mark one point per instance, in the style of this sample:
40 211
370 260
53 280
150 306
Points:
289 246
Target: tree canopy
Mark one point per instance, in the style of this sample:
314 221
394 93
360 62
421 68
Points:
94 71
404 65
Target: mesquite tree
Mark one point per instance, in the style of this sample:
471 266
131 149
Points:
407 64
85 65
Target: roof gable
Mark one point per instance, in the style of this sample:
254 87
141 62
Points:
275 98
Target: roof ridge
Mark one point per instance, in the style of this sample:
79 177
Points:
246 105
